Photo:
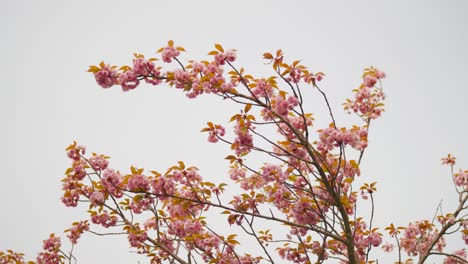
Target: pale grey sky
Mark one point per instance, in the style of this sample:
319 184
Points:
49 99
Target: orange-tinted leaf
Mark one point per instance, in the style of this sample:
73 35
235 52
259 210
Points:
93 69
247 108
181 165
267 56
219 47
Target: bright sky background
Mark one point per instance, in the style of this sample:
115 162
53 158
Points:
49 99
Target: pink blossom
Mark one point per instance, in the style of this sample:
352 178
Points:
111 181
75 152
387 247
136 238
449 160
48 258
169 53
77 230
243 143
141 203
272 172
138 183
459 253
262 89
380 74
375 239
216 132
331 137
230 55
163 186
370 81
51 253
319 76
368 100
128 80
70 198
182 78
461 178
98 162
142 67
104 219
106 77
294 75
97 198
79 171
52 243
237 173
72 191
150 223
221 58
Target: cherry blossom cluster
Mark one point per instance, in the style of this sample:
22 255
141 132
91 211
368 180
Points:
51 253
243 143
306 185
176 221
418 237
368 98
332 137
215 132
196 78
77 229
9 256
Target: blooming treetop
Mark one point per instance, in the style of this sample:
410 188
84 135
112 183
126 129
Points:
308 189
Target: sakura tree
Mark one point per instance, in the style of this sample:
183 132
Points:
298 206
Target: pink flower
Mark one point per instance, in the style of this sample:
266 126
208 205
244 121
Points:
52 243
262 89
217 131
370 81
128 80
230 55
459 253
182 78
98 162
221 58
163 186
51 253
138 183
142 67
387 247
48 258
380 74
111 181
97 198
104 219
141 203
75 152
77 230
449 160
375 239
106 77
294 75
136 238
79 171
461 178
169 53
319 76
237 173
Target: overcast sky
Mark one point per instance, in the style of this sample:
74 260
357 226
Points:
49 99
